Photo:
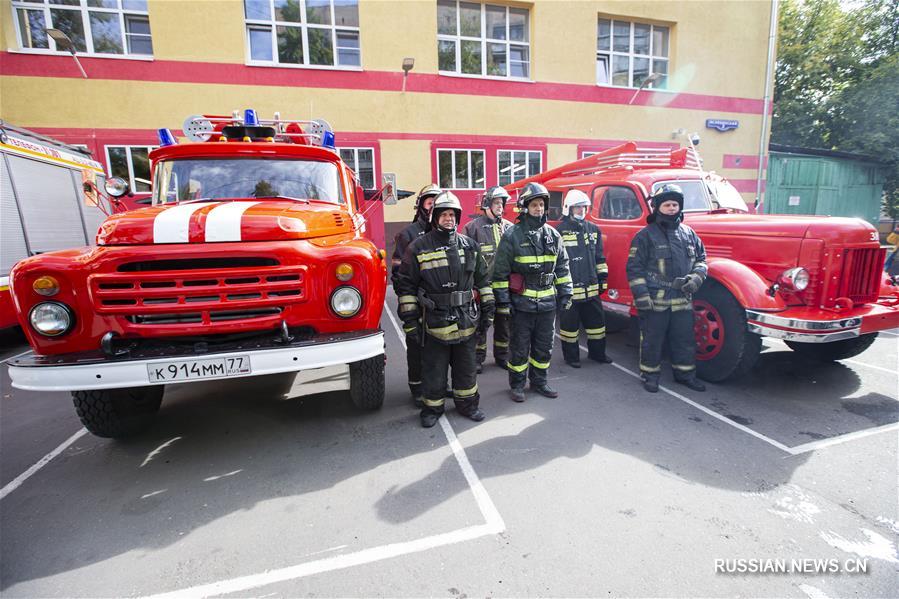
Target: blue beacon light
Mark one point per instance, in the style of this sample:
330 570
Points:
249 118
328 139
166 138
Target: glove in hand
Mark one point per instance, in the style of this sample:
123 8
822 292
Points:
692 284
644 302
565 302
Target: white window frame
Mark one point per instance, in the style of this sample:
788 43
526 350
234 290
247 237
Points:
458 39
304 27
355 164
130 160
85 11
611 53
527 156
469 152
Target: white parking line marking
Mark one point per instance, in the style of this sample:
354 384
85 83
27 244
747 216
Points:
702 408
881 368
145 496
338 562
813 592
796 450
17 481
157 451
485 504
494 525
813 445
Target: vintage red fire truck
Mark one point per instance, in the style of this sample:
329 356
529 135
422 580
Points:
815 282
252 260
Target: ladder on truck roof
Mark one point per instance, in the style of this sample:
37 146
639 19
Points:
627 155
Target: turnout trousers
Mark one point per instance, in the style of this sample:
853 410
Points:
501 331
413 365
589 314
530 348
436 358
677 327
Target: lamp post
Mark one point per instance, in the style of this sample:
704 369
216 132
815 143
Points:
408 65
653 77
64 42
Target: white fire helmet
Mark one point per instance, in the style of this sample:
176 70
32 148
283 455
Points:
574 197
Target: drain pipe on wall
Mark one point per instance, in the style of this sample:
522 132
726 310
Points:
772 41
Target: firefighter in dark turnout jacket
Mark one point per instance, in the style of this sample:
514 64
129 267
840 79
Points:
441 272
665 267
416 229
582 241
530 276
487 230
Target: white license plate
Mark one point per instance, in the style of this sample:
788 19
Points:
193 370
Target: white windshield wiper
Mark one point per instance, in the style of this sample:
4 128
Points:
280 197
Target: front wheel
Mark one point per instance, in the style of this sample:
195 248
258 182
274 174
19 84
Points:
835 350
724 346
117 413
367 383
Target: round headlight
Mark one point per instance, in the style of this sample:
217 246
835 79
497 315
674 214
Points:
794 279
346 301
116 187
46 286
51 319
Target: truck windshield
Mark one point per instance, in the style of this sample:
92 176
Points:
187 180
696 196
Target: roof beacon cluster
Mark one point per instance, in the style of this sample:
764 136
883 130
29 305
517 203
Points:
249 127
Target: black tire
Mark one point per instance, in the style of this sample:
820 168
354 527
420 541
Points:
367 383
740 349
835 350
118 413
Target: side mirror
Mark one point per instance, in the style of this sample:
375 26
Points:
116 187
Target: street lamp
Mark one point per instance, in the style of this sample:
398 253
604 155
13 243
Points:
651 79
64 42
408 65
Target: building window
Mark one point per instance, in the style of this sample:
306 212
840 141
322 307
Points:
483 39
627 52
362 161
460 169
131 163
103 27
514 165
303 32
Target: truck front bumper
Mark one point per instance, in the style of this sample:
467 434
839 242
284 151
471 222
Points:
79 372
810 325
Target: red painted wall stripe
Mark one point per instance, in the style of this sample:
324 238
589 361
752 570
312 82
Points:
35 65
742 161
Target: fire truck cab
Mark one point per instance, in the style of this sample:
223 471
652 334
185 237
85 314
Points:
816 282
252 260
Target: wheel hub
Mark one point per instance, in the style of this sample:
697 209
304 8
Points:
708 326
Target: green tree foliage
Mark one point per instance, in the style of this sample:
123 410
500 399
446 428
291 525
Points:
837 80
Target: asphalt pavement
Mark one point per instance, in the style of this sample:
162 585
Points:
606 491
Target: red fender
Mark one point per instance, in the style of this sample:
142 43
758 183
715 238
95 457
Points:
747 286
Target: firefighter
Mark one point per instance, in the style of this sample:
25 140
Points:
665 268
413 231
530 276
487 230
582 241
441 271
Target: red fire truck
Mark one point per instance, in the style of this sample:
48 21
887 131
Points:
252 260
815 282
43 203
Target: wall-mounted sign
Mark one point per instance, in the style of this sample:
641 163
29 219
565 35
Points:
721 124
793 201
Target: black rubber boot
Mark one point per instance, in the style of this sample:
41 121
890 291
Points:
545 390
573 364
693 383
601 359
480 368
502 364
417 401
517 394
429 417
651 384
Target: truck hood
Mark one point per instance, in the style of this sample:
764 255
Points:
831 229
220 221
